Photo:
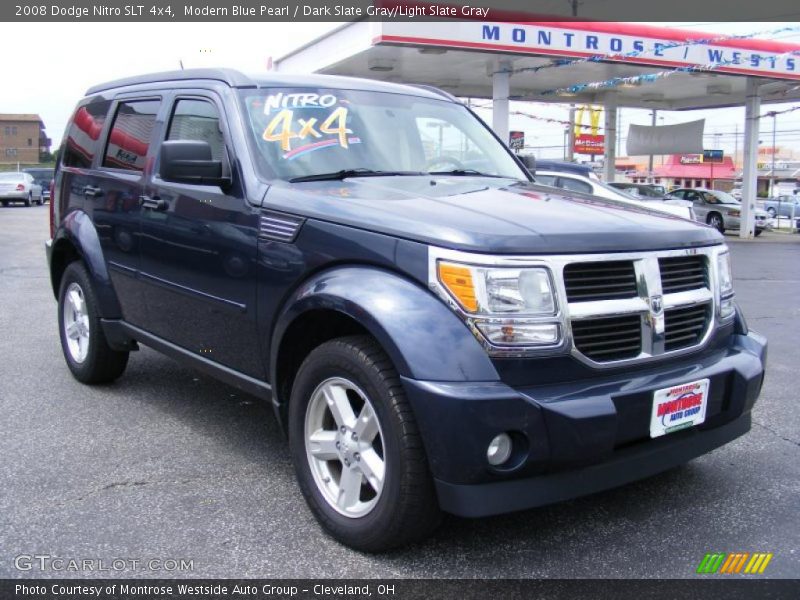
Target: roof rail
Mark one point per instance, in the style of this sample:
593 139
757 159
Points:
435 90
230 76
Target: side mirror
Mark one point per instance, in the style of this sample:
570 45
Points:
530 163
185 161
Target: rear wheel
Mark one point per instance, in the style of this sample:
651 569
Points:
29 199
5 203
357 452
715 220
88 355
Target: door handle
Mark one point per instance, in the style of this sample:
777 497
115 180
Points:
92 192
154 203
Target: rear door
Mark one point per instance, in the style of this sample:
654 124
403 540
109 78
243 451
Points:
114 195
198 248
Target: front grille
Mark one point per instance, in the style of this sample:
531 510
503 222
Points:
609 338
682 273
589 281
684 327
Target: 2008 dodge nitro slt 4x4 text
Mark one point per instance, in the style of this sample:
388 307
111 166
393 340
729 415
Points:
435 331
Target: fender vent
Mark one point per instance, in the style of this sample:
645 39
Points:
279 227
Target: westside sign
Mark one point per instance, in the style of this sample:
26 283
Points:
652 45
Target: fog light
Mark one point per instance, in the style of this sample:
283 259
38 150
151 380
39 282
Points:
499 450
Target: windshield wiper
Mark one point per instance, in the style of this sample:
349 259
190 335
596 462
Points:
346 173
467 172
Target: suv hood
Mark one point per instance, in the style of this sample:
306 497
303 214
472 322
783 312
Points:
484 214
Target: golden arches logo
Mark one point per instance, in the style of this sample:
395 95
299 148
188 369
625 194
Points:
594 119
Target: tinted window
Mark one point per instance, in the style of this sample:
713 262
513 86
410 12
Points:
197 120
130 135
83 134
575 185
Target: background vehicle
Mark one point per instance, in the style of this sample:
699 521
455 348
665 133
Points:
562 166
719 209
430 336
784 206
42 177
19 187
578 183
645 190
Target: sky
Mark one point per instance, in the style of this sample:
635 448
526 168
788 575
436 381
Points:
51 76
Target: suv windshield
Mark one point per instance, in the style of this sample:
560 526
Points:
301 133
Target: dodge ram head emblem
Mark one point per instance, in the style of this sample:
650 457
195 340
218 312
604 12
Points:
656 305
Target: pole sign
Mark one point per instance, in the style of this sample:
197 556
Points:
713 156
516 140
589 143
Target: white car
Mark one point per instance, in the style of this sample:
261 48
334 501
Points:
578 183
19 187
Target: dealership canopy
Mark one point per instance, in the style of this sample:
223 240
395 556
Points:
609 64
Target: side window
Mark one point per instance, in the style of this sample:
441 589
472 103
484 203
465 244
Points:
546 180
575 185
197 120
679 194
130 135
83 134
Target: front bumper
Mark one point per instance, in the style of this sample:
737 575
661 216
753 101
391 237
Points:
578 437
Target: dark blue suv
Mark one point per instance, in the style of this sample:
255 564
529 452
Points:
434 331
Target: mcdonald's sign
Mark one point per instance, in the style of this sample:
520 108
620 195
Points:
589 143
721 563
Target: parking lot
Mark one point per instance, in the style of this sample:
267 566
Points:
168 464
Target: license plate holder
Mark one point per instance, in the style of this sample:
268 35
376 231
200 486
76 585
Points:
678 407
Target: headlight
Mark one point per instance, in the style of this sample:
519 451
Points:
725 284
499 291
508 306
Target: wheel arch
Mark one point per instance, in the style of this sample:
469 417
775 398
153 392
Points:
77 239
424 339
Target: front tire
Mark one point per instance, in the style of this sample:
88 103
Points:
357 451
772 212
715 220
88 355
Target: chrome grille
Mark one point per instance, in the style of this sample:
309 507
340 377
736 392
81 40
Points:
600 281
606 339
681 273
646 305
684 327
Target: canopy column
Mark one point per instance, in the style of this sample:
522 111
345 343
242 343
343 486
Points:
500 105
752 107
610 154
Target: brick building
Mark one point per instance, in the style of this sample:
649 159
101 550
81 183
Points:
22 139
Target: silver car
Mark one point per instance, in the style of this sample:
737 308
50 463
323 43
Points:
19 187
719 209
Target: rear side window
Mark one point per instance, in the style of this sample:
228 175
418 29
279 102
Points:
575 185
84 133
197 120
130 135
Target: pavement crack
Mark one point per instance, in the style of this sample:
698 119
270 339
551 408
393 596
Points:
124 484
776 433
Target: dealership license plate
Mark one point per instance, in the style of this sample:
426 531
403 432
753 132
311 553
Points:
678 407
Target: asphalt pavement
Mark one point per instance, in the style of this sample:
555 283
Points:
169 464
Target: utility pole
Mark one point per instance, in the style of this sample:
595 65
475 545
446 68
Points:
574 4
650 177
735 144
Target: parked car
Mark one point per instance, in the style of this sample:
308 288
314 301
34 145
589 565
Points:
431 338
785 206
563 166
43 176
645 190
19 187
578 183
719 209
